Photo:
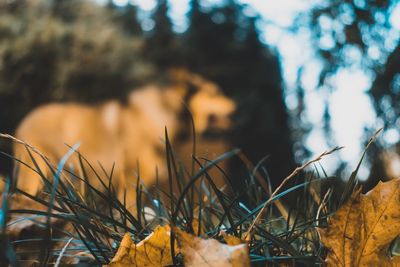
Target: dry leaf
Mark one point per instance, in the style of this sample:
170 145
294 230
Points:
196 227
362 230
155 250
209 252
232 240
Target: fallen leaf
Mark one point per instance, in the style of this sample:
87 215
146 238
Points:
209 252
197 228
155 250
361 231
232 240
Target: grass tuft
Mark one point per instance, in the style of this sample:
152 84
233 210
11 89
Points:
74 221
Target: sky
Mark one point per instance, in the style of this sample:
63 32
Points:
350 107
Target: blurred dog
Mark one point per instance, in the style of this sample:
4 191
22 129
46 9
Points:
131 135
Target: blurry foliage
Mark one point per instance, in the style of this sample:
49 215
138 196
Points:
80 56
359 33
223 44
347 31
162 43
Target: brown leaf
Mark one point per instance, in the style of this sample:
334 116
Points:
155 250
362 230
197 228
209 252
232 240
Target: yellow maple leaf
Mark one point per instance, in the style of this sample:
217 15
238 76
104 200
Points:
209 252
155 250
361 231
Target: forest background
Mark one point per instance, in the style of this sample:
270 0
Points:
71 50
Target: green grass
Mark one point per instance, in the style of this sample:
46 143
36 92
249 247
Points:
69 225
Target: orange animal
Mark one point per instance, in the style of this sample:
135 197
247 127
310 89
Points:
130 135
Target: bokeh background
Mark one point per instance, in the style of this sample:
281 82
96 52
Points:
306 75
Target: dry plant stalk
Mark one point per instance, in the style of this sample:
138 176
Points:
249 234
14 139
